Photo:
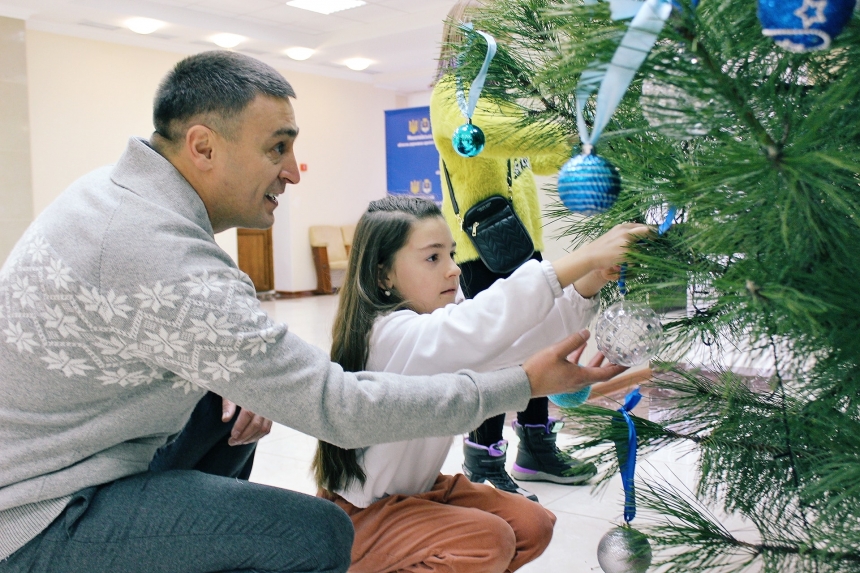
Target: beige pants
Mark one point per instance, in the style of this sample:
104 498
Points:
457 526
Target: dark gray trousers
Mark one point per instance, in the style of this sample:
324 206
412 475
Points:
185 521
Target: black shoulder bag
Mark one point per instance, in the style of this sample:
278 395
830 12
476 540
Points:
499 236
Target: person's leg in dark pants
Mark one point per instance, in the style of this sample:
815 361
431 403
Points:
538 457
189 522
202 445
485 449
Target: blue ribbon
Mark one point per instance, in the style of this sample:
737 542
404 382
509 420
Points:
622 280
661 230
670 218
467 109
628 465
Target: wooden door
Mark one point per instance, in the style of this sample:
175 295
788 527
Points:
256 258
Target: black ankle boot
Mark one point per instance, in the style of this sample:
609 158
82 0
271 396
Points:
487 464
539 459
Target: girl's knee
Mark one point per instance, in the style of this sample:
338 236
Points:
533 530
540 530
502 541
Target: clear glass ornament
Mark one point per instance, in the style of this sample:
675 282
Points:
628 333
624 550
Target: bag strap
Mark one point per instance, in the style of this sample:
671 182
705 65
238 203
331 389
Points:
454 199
451 192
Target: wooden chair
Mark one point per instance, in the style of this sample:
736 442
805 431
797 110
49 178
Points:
329 257
348 232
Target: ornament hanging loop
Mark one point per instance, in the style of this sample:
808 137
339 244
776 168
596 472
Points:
468 139
622 280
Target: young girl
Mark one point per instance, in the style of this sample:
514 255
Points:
397 314
507 167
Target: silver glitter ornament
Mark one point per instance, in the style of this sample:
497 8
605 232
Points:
628 333
624 550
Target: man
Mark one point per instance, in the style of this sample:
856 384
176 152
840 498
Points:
117 307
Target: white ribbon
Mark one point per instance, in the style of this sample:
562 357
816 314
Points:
614 78
467 109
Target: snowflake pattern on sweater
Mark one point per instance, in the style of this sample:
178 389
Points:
132 338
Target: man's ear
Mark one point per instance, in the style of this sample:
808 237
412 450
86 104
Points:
200 144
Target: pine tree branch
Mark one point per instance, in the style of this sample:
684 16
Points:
792 460
732 94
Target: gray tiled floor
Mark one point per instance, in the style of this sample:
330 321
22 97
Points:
584 515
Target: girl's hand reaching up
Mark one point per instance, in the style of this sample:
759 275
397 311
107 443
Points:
593 265
608 250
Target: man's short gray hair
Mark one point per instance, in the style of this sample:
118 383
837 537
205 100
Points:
218 84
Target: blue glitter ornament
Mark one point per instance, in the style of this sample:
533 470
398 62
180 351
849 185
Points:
571 399
804 25
468 140
588 184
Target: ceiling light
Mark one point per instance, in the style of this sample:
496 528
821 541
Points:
228 40
326 6
298 53
143 25
357 64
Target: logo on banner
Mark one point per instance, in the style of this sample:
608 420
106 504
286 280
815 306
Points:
427 187
415 187
423 125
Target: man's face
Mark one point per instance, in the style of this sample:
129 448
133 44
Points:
254 166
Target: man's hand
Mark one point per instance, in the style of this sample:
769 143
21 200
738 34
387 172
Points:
551 372
248 427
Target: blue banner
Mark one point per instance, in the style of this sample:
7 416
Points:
411 158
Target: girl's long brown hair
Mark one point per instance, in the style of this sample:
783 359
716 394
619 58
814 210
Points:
382 231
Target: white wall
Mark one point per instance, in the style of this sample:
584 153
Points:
342 141
88 97
418 99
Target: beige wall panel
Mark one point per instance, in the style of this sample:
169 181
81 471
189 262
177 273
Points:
16 191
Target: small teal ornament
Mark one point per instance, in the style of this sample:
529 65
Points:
571 399
468 140
588 184
804 25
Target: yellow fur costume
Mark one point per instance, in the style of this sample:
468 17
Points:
476 178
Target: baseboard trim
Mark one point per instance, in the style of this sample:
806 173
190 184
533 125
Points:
294 294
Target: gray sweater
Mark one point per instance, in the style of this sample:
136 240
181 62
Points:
117 309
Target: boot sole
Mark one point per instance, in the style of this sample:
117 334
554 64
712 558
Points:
529 475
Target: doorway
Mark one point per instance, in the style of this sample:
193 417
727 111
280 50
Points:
256 258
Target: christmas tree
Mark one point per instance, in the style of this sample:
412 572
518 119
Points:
753 140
